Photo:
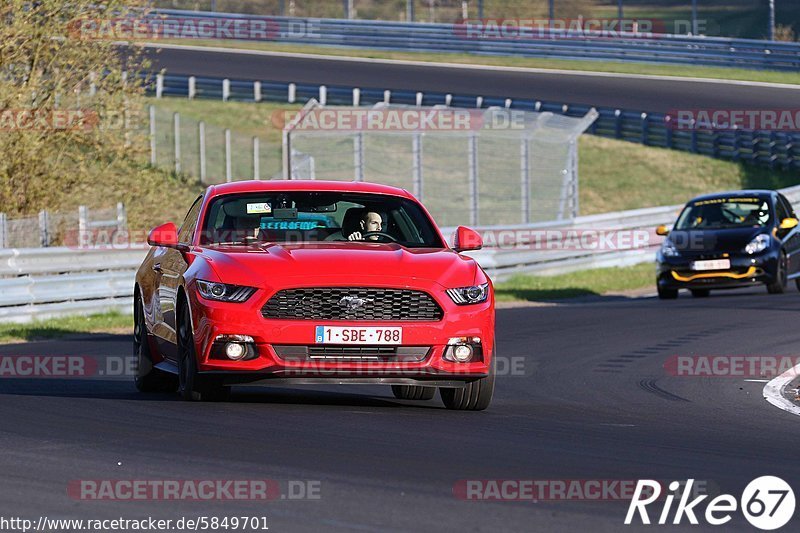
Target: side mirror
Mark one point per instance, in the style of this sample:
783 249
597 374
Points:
788 223
662 230
164 235
467 239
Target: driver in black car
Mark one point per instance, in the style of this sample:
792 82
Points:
371 221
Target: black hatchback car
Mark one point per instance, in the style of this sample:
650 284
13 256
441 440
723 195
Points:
729 240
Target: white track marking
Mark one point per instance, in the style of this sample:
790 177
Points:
773 391
587 73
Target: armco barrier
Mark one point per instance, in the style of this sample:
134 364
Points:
427 37
37 283
775 149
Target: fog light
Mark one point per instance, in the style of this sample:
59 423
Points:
462 353
234 351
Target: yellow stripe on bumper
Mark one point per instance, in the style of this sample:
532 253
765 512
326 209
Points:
732 275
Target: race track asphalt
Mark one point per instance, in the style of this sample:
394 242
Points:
637 94
589 399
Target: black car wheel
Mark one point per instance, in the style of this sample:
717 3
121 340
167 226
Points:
413 392
700 293
192 386
474 396
779 285
146 377
667 294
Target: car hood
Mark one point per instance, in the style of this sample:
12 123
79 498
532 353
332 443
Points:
721 240
338 263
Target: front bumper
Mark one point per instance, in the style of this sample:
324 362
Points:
212 319
745 271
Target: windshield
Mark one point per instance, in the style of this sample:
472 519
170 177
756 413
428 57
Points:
725 213
303 217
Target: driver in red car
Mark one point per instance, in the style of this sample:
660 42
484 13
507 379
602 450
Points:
371 221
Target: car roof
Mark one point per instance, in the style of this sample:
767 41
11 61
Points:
732 194
305 185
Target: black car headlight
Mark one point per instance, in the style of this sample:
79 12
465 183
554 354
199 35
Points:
469 295
758 244
223 292
668 249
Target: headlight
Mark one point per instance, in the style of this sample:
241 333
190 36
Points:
469 295
668 249
222 292
758 244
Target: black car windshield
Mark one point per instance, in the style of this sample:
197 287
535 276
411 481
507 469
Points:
303 217
725 213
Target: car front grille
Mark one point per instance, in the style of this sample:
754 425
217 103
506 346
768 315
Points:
381 353
352 303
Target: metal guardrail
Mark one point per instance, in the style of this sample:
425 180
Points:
39 283
546 43
774 149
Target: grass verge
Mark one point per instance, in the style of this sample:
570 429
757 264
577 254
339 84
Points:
599 281
59 327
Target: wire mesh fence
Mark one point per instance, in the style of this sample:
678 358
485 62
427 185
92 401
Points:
500 166
82 227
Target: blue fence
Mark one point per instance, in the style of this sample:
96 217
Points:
767 148
425 37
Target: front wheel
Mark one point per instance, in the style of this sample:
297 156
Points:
667 294
474 396
779 286
192 386
413 392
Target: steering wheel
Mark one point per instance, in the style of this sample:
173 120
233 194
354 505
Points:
377 234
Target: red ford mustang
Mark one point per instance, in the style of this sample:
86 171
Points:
313 282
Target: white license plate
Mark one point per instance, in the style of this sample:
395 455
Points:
711 264
345 335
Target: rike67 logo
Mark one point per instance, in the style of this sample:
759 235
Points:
767 502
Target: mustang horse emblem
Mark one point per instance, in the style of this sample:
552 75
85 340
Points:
354 302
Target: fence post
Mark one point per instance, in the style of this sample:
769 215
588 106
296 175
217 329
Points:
292 93
645 130
228 170
419 99
257 91
256 167
473 179
574 184
92 83
122 217
387 96
176 127
323 95
83 226
358 156
201 139
525 179
226 89
3 231
44 233
618 124
479 102
152 110
416 155
286 156
192 87
356 97
159 85
448 99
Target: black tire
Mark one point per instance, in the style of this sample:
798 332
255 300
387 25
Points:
667 294
779 286
700 293
146 377
474 396
413 392
192 386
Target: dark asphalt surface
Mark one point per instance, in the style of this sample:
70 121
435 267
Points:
593 402
627 93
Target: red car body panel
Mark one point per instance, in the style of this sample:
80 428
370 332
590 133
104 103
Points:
168 274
